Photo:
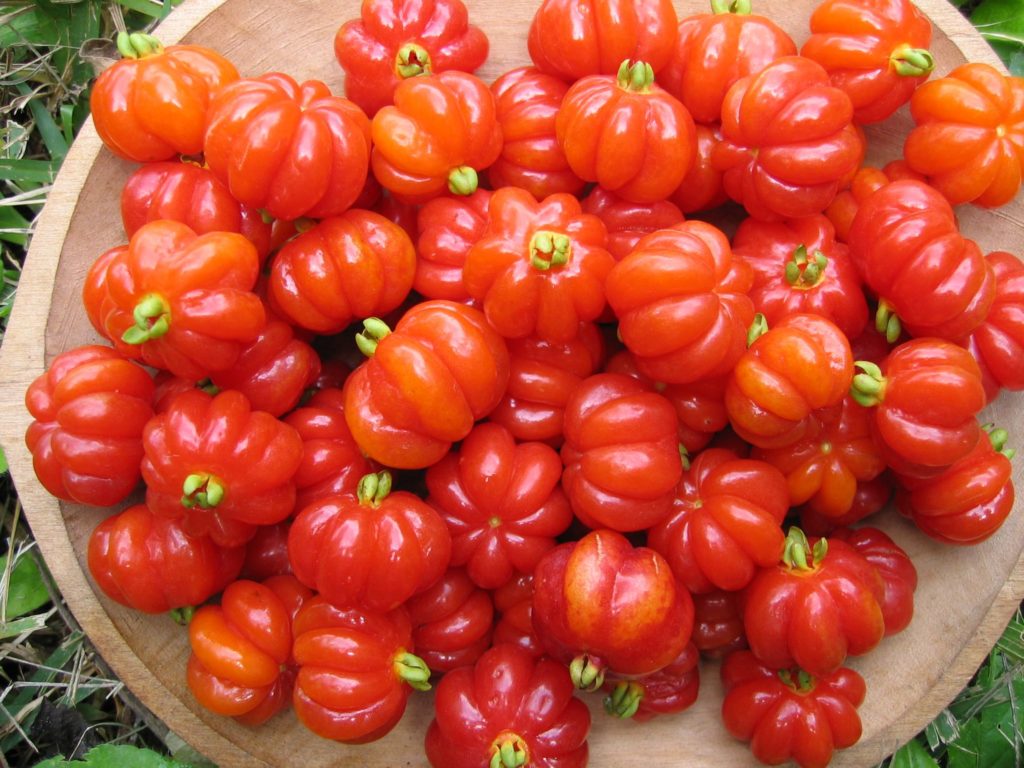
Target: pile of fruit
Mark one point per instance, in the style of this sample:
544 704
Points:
454 386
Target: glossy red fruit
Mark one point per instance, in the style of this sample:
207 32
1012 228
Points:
789 714
452 622
374 549
508 709
89 409
502 503
150 563
602 604
969 501
542 377
726 522
621 453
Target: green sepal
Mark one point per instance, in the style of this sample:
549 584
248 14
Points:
757 329
413 670
412 60
586 673
463 180
624 700
912 62
635 76
138 45
374 488
374 329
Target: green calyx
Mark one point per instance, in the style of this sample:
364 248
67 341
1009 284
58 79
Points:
587 674
738 7
797 679
374 488
463 181
138 45
413 670
183 615
412 60
625 700
757 329
202 490
798 553
636 77
912 62
998 438
509 751
887 322
684 457
374 329
803 271
152 320
868 386
549 249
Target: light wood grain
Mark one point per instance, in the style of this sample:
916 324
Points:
965 598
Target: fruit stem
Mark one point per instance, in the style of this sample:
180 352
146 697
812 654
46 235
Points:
912 62
203 490
509 751
413 670
757 329
549 249
738 7
374 488
586 673
998 438
806 272
412 61
152 320
625 700
868 388
374 329
138 45
797 548
636 77
801 681
887 322
463 180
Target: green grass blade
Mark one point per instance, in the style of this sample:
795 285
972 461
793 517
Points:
48 129
28 171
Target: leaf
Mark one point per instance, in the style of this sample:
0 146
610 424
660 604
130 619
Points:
992 739
37 171
115 756
3 461
1012 641
1001 22
47 127
26 590
942 730
27 624
912 755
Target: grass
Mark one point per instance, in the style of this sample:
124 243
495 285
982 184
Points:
56 697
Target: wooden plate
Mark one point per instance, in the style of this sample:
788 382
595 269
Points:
965 598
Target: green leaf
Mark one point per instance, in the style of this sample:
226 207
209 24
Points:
26 590
992 739
24 625
13 226
1012 641
154 8
1001 22
31 171
912 755
3 462
115 756
48 129
942 730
